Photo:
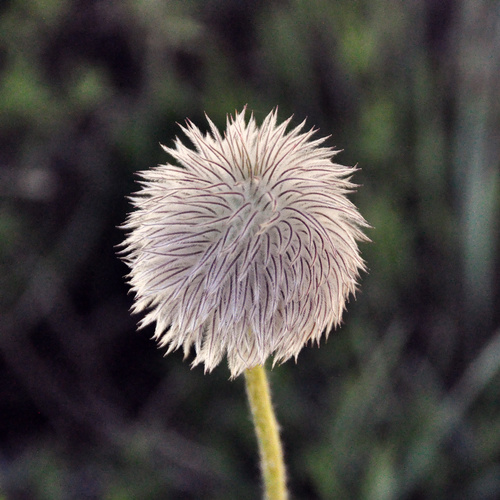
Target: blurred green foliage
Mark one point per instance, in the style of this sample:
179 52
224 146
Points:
402 402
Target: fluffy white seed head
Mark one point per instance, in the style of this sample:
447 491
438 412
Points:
247 247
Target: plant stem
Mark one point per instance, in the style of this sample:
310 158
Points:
266 428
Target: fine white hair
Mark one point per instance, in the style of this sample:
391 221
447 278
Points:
247 247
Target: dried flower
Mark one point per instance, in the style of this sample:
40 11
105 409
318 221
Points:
249 247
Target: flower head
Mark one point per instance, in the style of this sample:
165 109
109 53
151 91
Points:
248 247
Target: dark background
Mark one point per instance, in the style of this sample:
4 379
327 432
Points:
402 402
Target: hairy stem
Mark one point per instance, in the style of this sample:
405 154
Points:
266 428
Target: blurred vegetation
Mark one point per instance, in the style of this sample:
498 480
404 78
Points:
400 403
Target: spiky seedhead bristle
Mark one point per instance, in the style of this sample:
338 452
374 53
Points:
247 247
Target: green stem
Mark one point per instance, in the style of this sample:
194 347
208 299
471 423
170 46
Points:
266 428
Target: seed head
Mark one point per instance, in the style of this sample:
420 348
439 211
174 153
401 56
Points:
247 247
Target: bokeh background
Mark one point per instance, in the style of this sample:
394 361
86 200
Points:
403 401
